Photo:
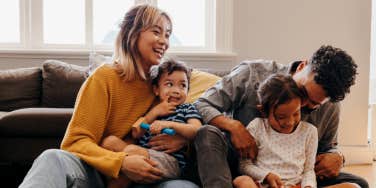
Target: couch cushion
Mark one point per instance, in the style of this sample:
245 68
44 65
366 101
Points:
35 122
2 113
20 88
199 83
61 83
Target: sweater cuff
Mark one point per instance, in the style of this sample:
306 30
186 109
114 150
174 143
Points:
138 122
122 156
261 176
311 183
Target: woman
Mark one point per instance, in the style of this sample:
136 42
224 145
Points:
108 103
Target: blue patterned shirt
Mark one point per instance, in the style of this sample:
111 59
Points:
182 113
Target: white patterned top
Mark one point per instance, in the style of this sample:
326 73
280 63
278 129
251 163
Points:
290 156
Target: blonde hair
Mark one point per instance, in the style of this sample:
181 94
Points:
136 20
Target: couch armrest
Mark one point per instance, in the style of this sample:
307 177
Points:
35 122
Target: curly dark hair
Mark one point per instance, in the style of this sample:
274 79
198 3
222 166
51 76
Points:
169 65
277 89
335 71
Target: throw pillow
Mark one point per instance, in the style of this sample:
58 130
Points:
96 60
200 82
20 88
61 83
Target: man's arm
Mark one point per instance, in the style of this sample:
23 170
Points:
224 97
329 160
327 119
241 139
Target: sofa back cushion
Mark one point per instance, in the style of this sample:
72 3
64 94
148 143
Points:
199 83
61 83
20 88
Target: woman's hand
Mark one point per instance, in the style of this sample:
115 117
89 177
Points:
157 126
141 169
167 143
274 181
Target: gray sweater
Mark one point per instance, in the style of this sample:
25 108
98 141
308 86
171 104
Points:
235 95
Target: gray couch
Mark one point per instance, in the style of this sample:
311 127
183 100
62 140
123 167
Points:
36 105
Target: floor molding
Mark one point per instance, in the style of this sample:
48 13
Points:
357 154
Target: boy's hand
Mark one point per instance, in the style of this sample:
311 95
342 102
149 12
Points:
274 181
157 126
164 108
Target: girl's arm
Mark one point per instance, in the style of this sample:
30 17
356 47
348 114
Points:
309 176
187 130
247 167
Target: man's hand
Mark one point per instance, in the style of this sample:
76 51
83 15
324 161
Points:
243 141
141 169
167 143
328 165
274 181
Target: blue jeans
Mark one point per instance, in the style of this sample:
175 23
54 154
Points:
57 168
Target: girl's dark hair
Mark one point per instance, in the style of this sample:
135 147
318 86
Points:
277 89
168 66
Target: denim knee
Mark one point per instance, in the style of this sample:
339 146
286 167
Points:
168 184
177 183
50 154
208 136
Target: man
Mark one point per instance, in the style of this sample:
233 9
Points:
326 79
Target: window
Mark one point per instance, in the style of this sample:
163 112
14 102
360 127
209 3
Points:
10 21
61 26
188 22
105 22
93 24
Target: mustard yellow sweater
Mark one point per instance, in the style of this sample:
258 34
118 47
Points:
105 106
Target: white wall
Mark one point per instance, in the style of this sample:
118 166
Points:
289 30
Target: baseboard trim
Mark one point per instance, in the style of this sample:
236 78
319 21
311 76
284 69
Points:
357 154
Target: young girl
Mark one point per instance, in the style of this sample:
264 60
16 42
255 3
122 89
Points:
287 146
170 82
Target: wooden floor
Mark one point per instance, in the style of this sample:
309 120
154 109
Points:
366 171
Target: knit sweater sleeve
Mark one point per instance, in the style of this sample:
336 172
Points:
86 128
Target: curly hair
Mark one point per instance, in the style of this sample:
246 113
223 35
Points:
169 65
335 71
